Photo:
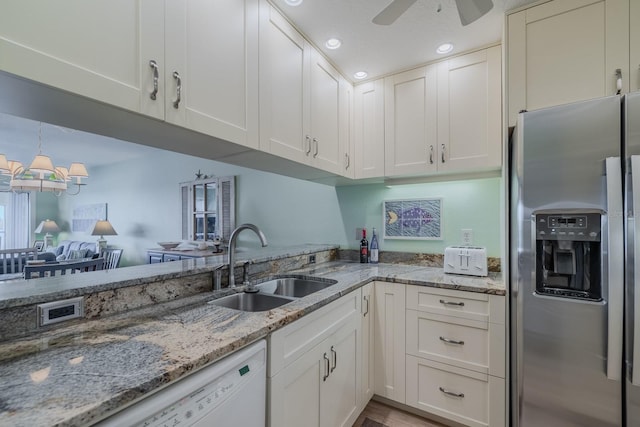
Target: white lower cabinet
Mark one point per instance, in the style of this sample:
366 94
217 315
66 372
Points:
314 367
461 395
367 379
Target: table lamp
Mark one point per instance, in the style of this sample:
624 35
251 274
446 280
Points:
47 226
102 228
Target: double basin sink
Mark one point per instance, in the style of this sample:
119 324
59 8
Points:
274 293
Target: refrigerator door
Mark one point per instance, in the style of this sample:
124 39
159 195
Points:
566 352
632 248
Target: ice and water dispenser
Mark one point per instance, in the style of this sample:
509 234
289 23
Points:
568 255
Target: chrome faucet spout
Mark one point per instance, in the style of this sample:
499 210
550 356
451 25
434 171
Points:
232 247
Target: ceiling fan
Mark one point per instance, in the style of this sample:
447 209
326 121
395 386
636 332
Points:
469 10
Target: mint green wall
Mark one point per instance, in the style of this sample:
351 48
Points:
473 204
144 206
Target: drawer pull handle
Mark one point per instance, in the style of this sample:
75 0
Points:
451 393
178 80
460 304
366 299
326 367
450 341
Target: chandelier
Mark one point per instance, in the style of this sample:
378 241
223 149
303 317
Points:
42 175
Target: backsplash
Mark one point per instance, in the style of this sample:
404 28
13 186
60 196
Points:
413 258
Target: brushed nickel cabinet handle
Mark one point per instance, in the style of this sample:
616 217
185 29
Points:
347 163
459 304
326 367
450 393
618 81
335 359
450 341
176 76
366 299
442 153
315 153
154 66
307 140
431 154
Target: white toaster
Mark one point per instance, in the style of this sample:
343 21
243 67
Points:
465 260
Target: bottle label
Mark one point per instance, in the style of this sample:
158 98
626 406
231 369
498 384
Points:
374 256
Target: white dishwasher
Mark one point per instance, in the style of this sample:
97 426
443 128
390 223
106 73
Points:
230 392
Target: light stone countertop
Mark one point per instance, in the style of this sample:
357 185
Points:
75 375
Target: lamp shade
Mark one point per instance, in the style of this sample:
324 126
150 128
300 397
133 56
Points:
77 170
41 163
4 165
47 226
103 228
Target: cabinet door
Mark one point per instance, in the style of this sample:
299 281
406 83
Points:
347 167
566 51
323 107
339 395
470 111
294 398
634 46
367 360
389 340
213 48
369 129
99 49
410 122
282 67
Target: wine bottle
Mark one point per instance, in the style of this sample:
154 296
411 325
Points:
373 251
364 247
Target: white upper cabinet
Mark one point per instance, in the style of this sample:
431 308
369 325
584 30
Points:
634 45
282 67
369 129
565 51
445 117
192 63
347 137
469 111
410 122
211 71
299 97
99 49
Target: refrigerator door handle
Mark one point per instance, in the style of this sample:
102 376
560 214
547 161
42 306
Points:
635 182
616 268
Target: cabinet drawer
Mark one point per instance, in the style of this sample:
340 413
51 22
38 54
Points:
470 305
450 340
289 343
457 394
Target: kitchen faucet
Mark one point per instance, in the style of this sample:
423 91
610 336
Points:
232 248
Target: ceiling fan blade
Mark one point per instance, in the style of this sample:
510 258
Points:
392 12
470 10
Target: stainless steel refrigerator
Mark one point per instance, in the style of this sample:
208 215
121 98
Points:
567 269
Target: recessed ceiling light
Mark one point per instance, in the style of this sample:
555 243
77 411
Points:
444 48
360 75
333 43
293 2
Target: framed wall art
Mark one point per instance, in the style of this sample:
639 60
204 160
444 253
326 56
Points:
84 216
419 219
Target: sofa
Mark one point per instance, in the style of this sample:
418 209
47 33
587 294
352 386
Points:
73 249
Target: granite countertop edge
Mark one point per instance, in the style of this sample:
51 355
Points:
170 340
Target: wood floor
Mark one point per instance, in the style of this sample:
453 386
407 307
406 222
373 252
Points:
392 417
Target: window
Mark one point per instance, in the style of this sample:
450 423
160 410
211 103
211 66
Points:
15 231
208 209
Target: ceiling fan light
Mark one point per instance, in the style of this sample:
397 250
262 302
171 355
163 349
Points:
470 11
444 48
333 43
293 2
360 75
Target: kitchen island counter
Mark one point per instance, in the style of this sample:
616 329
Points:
80 373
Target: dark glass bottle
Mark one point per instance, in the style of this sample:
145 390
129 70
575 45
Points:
373 250
364 247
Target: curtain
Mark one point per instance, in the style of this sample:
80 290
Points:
17 222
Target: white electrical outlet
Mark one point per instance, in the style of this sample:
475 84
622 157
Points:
467 237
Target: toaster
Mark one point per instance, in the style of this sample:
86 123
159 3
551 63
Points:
468 260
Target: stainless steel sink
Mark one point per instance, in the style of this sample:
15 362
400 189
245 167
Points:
294 287
251 301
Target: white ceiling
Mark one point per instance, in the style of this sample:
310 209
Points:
379 50
410 41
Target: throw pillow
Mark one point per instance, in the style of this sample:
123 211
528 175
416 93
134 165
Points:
61 258
77 254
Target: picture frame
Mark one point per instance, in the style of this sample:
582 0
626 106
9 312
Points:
412 219
85 216
39 245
